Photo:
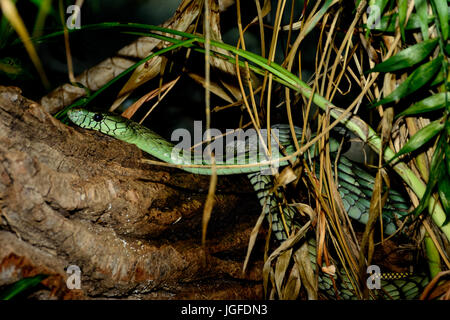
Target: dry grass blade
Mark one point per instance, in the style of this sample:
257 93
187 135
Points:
220 64
293 285
131 110
261 14
253 113
209 204
66 37
142 74
286 245
213 180
281 266
428 292
252 240
307 274
44 10
367 244
286 176
330 222
214 87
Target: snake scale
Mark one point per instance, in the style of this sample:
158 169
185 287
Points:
354 183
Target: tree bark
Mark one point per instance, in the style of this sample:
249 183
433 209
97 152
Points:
70 196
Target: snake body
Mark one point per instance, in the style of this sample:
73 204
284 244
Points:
355 188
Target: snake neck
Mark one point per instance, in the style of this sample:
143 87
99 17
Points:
157 146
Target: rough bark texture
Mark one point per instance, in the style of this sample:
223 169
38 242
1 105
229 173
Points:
73 197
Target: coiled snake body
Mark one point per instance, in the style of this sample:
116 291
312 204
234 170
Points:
355 188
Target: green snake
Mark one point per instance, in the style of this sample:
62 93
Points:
355 187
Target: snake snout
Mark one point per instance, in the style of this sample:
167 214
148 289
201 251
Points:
76 116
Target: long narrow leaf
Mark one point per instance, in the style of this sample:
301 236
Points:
415 81
402 8
438 78
435 175
422 13
421 137
408 57
432 103
447 156
444 192
197 48
442 12
319 15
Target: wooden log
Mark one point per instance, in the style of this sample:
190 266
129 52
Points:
70 196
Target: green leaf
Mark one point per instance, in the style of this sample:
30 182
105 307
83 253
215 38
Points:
319 15
432 103
402 7
439 78
447 156
21 286
444 193
435 175
407 58
447 122
415 81
380 4
442 12
421 137
422 13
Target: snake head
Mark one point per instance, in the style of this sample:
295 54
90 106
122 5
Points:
107 123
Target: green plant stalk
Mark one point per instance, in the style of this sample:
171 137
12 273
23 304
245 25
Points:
434 260
230 59
271 67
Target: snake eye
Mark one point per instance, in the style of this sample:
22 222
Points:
98 117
